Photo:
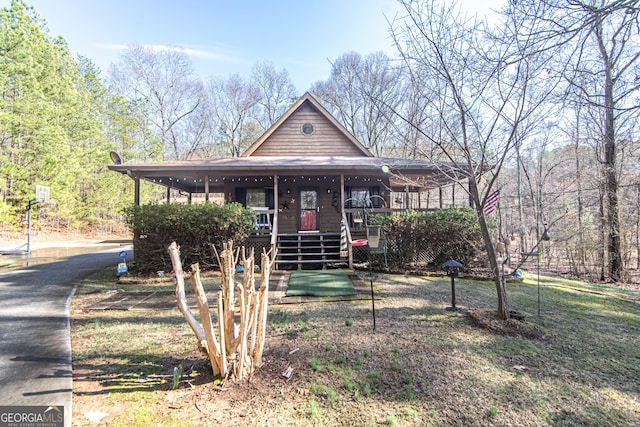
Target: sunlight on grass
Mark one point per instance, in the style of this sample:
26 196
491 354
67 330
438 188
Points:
623 316
422 366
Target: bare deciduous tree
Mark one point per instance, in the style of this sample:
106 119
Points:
482 87
361 93
602 38
162 79
275 93
233 102
611 33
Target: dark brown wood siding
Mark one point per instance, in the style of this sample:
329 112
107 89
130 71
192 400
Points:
326 140
289 187
289 203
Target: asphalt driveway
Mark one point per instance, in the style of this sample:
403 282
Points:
35 347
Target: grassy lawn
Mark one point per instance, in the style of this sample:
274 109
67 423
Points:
578 363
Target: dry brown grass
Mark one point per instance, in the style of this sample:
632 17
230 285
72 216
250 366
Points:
577 365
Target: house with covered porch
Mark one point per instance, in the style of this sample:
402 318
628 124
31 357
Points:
306 178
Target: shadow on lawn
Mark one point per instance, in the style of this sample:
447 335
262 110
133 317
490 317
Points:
130 373
590 348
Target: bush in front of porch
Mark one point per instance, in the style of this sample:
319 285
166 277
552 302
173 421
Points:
193 227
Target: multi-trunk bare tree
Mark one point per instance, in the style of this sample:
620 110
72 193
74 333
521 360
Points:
483 87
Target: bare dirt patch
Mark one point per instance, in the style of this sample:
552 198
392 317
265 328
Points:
489 320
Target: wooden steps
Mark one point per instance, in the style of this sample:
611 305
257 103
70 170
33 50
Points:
308 250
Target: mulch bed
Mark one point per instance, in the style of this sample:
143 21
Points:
488 319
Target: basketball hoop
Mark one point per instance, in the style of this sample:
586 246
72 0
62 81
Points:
42 194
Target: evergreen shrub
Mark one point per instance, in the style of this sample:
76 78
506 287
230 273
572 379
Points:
431 238
193 227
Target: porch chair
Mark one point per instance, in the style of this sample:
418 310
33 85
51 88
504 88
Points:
263 219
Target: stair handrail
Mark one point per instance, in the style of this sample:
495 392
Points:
274 232
349 239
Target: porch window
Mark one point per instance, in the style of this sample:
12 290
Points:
256 197
261 201
362 197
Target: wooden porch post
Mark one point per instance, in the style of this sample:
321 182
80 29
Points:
136 191
406 197
168 195
440 196
342 194
206 188
274 226
276 201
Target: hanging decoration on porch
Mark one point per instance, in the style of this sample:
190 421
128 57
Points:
286 203
335 201
358 217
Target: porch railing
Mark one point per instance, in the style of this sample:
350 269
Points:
266 224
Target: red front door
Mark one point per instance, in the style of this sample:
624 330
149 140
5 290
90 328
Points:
308 210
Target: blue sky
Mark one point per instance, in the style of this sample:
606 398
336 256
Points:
224 37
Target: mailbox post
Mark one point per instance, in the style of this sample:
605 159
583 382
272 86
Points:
452 269
364 242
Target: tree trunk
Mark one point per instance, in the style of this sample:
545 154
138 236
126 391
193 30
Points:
213 347
602 253
503 306
181 299
614 246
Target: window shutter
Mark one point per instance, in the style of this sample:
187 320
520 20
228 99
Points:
241 195
269 199
375 197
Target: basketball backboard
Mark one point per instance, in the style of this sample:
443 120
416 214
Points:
42 194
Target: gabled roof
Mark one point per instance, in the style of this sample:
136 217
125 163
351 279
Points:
307 98
285 150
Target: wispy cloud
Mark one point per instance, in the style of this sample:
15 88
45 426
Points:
191 51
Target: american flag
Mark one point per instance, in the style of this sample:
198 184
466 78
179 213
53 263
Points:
491 203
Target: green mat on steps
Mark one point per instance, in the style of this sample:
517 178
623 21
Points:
320 283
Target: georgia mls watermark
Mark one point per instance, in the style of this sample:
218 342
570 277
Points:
31 416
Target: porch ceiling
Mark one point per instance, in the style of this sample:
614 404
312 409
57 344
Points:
190 176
